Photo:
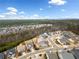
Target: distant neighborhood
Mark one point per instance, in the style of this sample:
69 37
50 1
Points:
15 29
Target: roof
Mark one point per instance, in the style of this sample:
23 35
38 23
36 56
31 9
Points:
51 55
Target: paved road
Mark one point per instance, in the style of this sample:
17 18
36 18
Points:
65 55
75 52
51 55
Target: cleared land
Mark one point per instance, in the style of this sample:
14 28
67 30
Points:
13 39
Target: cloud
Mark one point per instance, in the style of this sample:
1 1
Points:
49 6
57 2
12 13
22 12
2 16
62 10
36 15
41 9
11 10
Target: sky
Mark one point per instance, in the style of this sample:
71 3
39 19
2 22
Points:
39 9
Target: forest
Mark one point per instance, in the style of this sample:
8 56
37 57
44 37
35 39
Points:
14 39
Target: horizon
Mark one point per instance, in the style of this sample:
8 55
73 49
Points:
43 19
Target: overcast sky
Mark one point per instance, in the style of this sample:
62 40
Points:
41 9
